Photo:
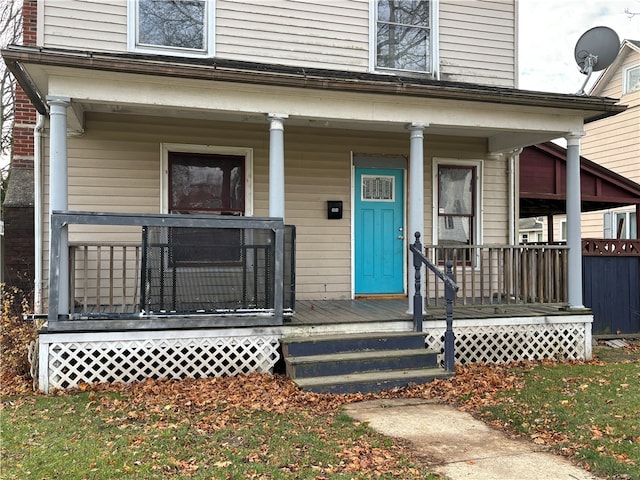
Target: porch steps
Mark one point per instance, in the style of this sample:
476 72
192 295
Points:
367 363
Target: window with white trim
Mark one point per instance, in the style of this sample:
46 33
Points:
456 196
631 79
623 225
172 27
206 179
404 35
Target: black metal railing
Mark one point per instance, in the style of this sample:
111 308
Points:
450 288
213 270
191 266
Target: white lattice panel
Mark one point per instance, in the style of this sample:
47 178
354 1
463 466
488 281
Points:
509 343
126 361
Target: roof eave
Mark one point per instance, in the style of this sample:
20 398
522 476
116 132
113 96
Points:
17 57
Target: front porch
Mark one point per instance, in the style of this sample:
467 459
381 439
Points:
113 318
498 333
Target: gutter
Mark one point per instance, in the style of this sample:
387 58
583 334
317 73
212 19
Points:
38 155
222 70
28 85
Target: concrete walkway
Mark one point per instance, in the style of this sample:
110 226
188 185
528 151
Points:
456 445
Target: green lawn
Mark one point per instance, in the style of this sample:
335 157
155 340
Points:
588 411
263 427
161 430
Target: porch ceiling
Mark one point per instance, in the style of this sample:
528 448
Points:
225 90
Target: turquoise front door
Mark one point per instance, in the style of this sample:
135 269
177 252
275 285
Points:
379 231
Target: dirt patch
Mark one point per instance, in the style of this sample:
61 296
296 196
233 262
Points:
610 352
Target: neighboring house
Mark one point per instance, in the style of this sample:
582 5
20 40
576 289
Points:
175 155
530 230
542 192
611 267
614 143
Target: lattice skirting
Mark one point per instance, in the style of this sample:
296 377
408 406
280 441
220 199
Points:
67 360
515 339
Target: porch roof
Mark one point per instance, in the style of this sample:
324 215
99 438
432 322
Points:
509 118
543 173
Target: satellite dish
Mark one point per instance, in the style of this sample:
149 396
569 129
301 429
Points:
595 50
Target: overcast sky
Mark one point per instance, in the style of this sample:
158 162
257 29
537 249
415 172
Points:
549 30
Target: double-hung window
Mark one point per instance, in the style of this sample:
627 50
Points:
456 222
631 79
404 35
171 27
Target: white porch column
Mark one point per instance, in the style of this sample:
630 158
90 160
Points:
276 165
415 217
574 234
58 188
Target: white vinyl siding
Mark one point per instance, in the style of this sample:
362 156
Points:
98 25
476 39
613 142
116 167
478 42
302 33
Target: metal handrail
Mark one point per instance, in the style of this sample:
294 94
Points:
450 289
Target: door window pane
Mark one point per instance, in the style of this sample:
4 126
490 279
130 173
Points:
378 188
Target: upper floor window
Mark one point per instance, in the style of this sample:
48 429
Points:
403 35
172 27
632 79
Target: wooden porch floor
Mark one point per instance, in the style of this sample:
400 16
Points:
318 312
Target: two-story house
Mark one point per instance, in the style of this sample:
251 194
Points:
615 142
180 137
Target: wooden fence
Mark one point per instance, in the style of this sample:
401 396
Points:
611 284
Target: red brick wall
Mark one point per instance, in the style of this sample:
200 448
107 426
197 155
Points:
18 213
30 22
24 113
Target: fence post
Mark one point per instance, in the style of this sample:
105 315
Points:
417 296
449 338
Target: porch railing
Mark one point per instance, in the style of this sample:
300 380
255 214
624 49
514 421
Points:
104 277
508 274
181 271
450 289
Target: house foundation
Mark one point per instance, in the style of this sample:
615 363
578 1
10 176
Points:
67 360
